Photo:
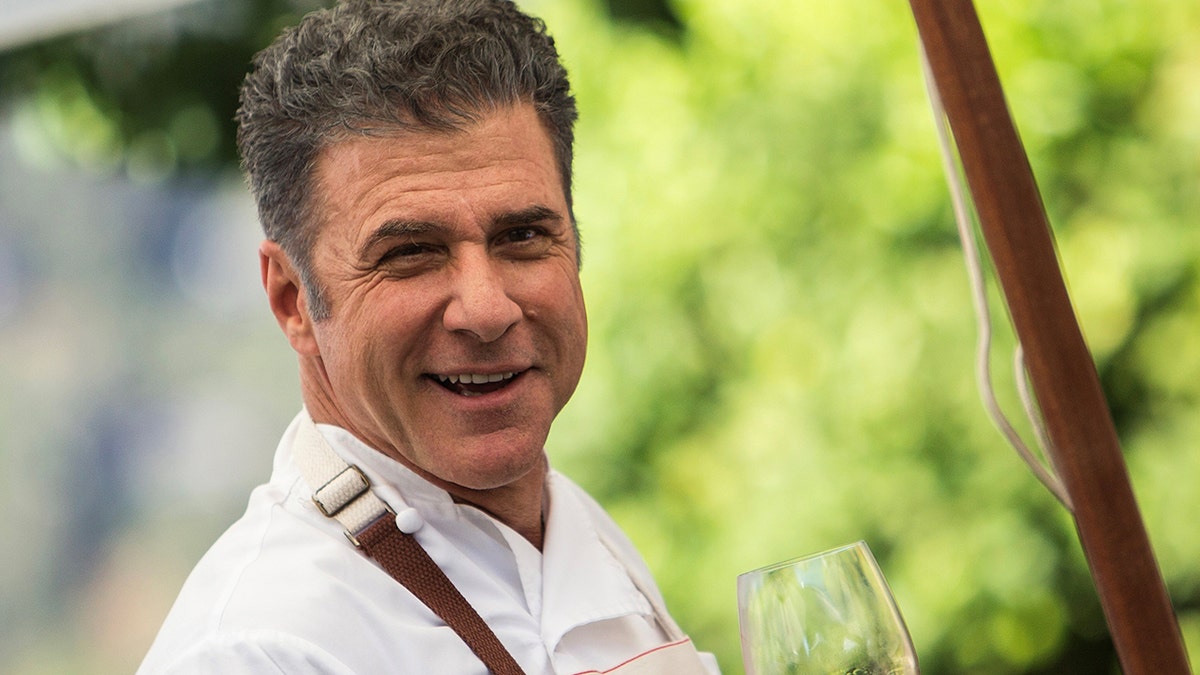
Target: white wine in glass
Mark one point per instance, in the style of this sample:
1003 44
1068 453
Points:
826 614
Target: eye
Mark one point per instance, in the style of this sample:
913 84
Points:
409 259
524 242
521 234
403 251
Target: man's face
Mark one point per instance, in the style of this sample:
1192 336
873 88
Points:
457 328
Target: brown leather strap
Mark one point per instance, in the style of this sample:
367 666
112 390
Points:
408 563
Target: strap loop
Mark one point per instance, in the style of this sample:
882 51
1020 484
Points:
341 490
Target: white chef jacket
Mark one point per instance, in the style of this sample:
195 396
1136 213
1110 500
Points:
283 590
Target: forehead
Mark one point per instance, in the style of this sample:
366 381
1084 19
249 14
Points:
503 158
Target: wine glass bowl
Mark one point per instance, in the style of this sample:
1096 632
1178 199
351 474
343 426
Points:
829 613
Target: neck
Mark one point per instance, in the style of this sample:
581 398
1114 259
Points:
518 505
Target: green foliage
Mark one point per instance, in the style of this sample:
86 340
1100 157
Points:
782 336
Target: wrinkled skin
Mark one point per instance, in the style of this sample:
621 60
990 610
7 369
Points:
457 328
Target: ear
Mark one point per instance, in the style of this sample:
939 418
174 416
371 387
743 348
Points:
287 297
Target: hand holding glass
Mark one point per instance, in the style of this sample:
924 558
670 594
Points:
830 613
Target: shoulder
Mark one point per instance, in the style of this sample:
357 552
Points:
282 585
283 590
261 652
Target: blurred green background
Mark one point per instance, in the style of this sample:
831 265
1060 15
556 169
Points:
782 336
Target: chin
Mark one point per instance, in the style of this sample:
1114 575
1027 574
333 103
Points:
482 461
504 476
489 472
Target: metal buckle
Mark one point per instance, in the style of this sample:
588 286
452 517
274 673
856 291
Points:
341 490
353 536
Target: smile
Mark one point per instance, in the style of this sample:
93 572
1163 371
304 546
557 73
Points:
475 384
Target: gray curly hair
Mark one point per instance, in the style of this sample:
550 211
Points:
373 67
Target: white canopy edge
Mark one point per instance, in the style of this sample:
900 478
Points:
26 21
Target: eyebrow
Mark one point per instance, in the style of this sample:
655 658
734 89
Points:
528 216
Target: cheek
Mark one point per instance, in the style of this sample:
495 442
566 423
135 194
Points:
574 329
348 353
578 314
558 308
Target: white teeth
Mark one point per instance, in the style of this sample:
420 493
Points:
475 378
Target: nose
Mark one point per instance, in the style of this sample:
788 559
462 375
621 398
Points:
479 301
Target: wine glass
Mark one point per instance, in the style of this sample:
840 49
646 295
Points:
829 613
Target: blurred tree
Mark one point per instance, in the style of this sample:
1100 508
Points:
657 15
152 95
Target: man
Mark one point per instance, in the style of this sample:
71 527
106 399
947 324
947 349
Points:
412 166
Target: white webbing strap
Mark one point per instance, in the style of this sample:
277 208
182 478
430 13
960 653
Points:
340 490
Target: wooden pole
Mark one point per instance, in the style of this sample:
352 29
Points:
1086 452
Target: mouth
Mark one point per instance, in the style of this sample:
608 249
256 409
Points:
475 384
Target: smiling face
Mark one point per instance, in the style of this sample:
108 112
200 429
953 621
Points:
456 329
